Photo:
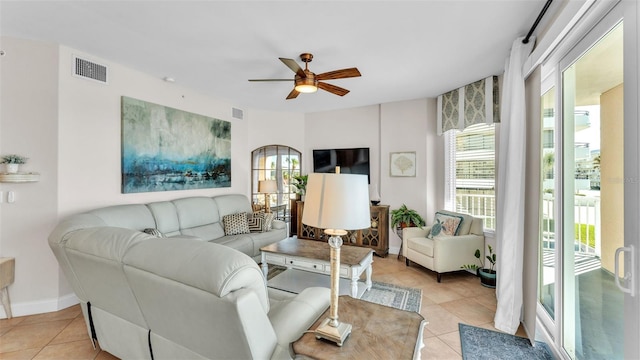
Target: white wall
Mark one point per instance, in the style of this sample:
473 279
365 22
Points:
89 134
391 127
28 126
411 126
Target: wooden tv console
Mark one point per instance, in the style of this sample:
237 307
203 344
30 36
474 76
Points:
376 237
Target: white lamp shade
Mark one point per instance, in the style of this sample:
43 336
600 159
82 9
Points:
337 201
267 186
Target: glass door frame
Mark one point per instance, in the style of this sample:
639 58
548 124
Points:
575 45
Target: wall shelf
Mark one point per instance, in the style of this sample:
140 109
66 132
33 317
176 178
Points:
19 177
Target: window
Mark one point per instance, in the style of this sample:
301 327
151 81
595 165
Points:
279 163
470 172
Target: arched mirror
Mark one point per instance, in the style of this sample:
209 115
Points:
272 170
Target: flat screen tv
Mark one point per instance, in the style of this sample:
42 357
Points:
351 161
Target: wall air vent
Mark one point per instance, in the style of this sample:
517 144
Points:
89 70
237 113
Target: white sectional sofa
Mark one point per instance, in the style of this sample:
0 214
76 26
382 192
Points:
193 294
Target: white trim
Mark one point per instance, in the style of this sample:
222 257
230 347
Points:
42 306
571 24
488 100
461 108
439 115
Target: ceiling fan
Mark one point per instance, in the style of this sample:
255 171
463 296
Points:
306 81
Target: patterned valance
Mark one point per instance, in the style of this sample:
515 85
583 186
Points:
471 104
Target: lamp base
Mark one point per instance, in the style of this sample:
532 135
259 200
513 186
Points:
336 334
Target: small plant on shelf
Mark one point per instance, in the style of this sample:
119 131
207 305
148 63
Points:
14 159
405 217
12 162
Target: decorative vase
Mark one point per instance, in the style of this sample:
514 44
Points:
487 278
12 168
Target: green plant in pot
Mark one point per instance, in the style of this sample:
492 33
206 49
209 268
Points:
405 217
300 183
13 162
487 275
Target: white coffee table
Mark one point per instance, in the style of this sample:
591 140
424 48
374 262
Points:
308 264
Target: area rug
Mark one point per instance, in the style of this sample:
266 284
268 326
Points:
399 297
478 343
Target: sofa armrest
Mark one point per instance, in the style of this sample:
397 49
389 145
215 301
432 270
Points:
278 224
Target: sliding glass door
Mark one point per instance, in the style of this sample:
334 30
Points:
586 209
593 197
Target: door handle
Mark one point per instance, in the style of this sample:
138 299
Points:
628 277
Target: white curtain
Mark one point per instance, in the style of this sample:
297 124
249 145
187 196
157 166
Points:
511 187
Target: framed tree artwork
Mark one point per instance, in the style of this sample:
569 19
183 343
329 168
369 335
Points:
402 164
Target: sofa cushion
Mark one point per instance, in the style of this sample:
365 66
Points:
235 224
129 216
196 211
232 203
421 245
166 216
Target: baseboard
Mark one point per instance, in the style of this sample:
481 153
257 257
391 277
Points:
40 307
394 250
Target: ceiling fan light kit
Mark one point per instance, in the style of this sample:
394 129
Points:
306 81
306 85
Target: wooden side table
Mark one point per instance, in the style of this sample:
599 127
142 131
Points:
7 276
378 332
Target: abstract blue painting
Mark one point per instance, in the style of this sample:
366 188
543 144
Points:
165 149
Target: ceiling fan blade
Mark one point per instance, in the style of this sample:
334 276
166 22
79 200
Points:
270 79
333 89
293 94
339 74
293 65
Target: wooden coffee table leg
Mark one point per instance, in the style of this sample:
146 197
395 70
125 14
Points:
368 272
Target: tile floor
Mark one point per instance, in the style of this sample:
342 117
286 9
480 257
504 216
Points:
458 298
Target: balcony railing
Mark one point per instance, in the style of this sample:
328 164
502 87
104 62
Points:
587 224
479 205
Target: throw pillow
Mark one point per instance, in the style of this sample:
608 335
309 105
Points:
268 219
437 230
256 222
154 232
235 224
450 223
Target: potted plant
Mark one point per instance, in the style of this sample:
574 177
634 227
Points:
13 162
300 183
405 217
487 275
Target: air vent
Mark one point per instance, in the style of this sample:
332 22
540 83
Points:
237 113
89 70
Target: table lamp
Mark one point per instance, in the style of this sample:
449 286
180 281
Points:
336 203
267 187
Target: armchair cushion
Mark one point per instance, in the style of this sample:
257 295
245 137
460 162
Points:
421 245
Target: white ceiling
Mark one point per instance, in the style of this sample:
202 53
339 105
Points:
404 49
